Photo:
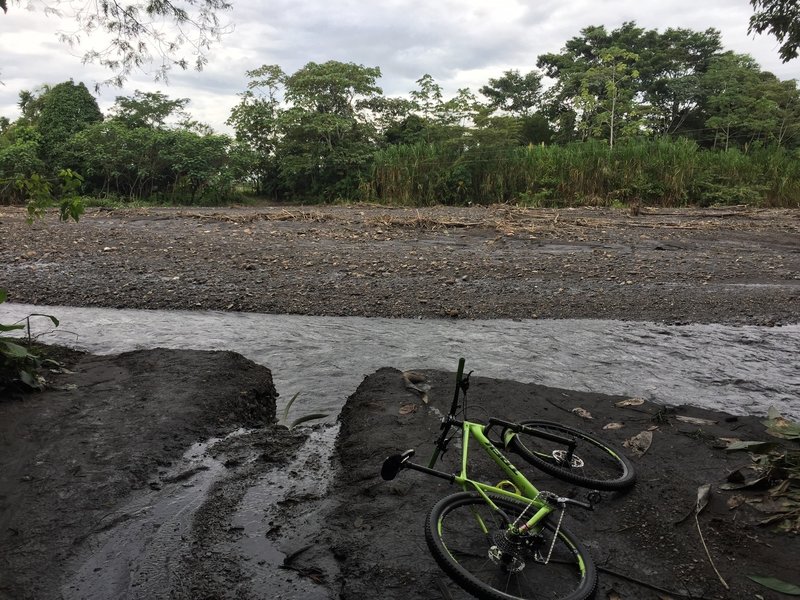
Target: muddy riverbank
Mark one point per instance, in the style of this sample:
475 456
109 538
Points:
100 497
162 474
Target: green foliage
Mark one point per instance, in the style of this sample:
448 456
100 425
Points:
65 109
177 166
661 172
514 93
780 18
778 585
147 109
776 467
647 104
326 140
300 420
40 195
173 33
18 365
255 120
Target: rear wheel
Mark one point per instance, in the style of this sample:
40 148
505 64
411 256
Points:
471 543
594 464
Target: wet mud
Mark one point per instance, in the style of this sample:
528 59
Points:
101 499
642 541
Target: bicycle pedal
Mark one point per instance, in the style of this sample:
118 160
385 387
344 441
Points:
393 464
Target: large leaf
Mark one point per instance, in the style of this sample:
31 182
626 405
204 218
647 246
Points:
11 327
751 446
13 350
31 380
778 585
783 428
306 418
51 317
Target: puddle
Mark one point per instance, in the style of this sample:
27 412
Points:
742 370
300 489
138 548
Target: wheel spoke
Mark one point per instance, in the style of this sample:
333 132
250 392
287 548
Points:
593 463
504 562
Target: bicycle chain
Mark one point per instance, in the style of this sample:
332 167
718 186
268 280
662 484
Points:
549 497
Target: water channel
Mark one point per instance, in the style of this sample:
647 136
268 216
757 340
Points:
741 370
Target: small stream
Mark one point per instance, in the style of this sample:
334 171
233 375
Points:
742 370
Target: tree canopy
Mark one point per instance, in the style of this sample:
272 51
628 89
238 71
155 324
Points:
628 114
781 18
132 34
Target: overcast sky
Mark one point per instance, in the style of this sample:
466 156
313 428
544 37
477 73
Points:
461 43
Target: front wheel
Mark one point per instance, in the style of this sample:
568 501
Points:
593 464
471 542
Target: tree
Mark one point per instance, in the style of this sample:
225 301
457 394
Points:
786 98
607 95
737 106
196 164
437 119
64 109
147 109
514 93
781 18
395 121
670 66
327 137
666 89
132 33
256 123
428 98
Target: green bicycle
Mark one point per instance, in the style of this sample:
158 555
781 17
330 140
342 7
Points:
508 541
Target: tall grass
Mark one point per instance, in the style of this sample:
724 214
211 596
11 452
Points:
662 172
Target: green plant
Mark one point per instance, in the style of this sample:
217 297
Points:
40 195
17 363
299 421
776 467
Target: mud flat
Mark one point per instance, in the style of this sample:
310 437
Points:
162 474
643 542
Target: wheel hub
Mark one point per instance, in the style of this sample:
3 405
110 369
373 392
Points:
561 457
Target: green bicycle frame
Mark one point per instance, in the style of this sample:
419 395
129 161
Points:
525 492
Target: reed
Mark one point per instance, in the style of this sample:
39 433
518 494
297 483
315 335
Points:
660 172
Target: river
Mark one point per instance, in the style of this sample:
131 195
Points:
738 369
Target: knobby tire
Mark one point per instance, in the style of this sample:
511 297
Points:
462 550
605 467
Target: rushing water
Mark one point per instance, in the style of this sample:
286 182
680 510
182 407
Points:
742 370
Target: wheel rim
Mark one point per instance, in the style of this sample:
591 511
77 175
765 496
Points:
560 456
591 459
514 568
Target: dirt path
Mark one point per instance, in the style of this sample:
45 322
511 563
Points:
725 266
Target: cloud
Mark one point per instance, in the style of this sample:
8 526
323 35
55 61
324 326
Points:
461 43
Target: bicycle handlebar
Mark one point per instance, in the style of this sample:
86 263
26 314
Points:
519 428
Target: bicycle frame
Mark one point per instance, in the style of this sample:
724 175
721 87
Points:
525 491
